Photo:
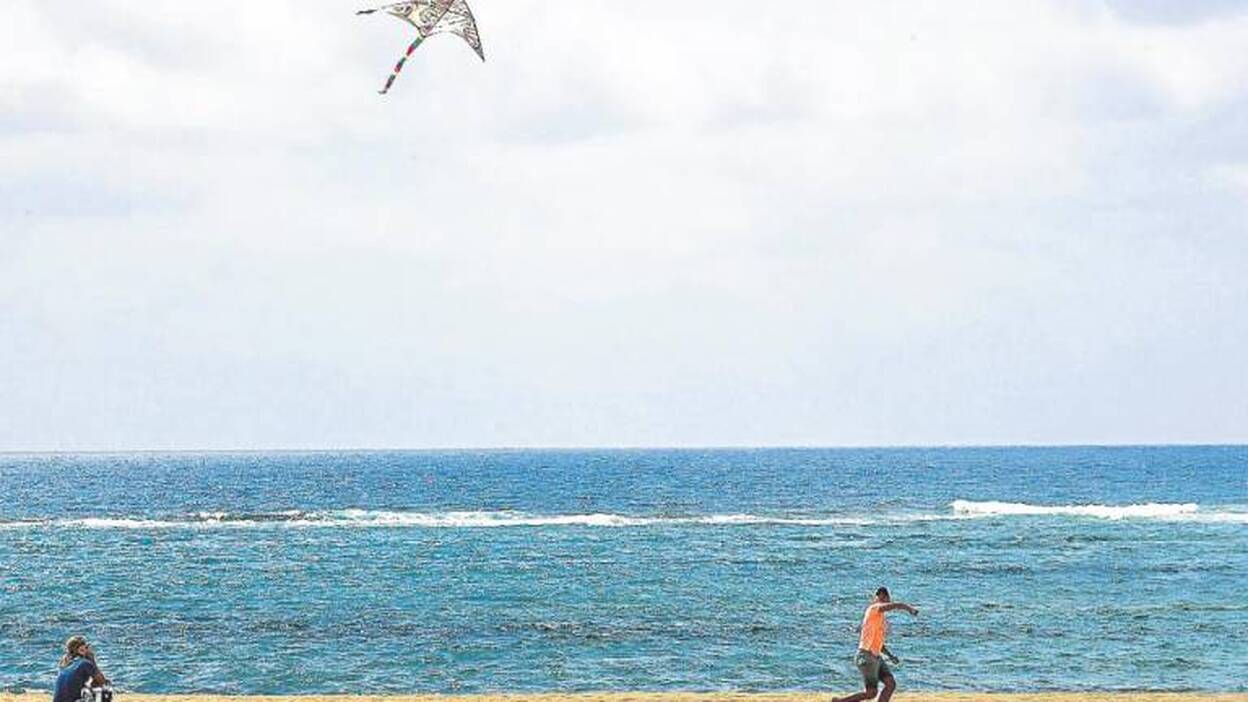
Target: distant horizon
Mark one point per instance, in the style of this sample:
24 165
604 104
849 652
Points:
502 449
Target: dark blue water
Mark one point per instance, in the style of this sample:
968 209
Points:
1035 568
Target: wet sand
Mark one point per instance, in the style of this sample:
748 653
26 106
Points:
901 696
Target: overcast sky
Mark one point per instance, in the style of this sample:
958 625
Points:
641 223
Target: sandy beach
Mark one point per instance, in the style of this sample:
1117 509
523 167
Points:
902 696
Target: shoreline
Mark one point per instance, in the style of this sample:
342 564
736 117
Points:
902 695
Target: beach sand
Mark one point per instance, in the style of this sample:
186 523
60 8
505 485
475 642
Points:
901 696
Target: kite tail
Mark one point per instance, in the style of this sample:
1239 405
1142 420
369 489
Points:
399 66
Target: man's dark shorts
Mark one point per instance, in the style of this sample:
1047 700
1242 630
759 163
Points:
872 668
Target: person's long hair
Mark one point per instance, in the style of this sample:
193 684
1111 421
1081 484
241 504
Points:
72 644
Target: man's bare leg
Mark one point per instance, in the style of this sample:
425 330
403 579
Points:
866 694
890 684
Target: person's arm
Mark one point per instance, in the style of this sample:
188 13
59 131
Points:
97 676
891 657
890 606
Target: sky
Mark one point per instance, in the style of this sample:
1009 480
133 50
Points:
809 223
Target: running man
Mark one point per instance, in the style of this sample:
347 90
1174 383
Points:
871 646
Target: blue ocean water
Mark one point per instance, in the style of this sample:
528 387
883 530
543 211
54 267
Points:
1034 568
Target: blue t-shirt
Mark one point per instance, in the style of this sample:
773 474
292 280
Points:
72 679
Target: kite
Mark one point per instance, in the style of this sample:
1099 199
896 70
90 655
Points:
431 17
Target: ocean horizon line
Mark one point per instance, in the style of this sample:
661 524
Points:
605 448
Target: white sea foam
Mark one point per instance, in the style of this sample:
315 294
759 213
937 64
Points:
520 519
372 518
383 519
729 519
360 518
1183 512
22 524
119 523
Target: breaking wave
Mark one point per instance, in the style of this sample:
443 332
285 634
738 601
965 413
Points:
380 519
359 518
1174 512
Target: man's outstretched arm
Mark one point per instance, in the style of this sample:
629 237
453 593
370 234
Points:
890 606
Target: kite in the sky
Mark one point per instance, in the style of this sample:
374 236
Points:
431 17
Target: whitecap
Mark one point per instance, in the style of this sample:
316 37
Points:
1165 511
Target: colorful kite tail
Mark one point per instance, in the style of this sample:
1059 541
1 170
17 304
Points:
399 66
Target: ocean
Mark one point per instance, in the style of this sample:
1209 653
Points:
1074 568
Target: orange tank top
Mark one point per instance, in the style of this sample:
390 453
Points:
874 628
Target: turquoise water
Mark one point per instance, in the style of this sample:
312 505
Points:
1035 568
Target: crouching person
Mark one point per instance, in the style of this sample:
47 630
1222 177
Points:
78 669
